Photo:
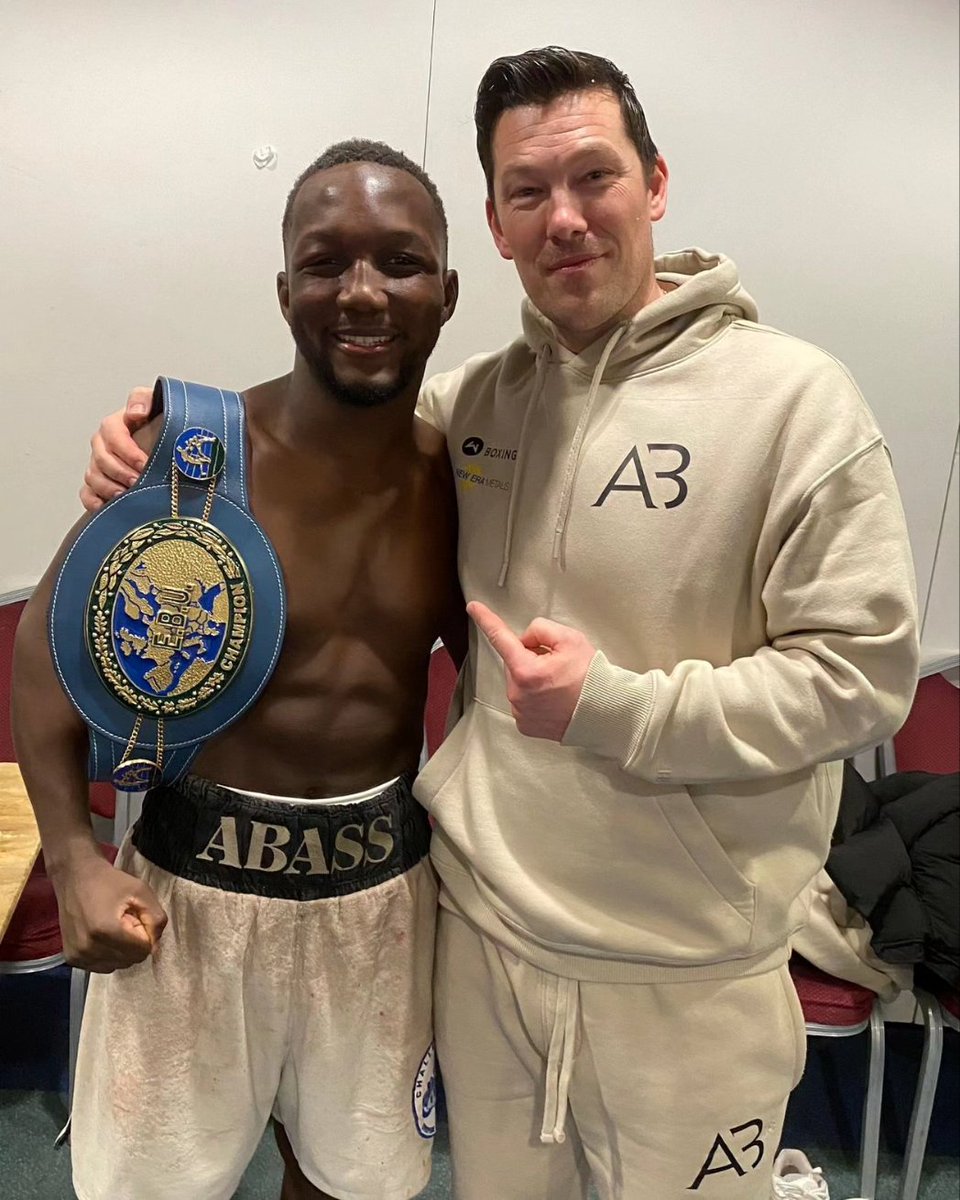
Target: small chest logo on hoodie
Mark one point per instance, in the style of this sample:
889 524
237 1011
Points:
474 475
475 446
665 460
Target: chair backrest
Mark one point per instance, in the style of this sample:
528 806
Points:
102 795
9 619
930 737
442 680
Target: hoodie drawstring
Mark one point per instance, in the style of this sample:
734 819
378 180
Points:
543 354
566 494
560 1060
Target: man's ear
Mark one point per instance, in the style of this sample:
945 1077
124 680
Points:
451 292
659 178
499 240
283 295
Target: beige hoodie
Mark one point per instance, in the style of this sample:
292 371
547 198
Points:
710 501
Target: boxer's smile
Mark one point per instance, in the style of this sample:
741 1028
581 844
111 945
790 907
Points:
366 288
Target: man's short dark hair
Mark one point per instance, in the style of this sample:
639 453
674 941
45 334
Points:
357 150
541 76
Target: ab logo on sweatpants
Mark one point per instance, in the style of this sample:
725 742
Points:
740 1156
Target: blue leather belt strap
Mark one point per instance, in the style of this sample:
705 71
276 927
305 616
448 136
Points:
168 613
194 404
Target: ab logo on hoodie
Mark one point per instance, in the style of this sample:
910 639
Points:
632 465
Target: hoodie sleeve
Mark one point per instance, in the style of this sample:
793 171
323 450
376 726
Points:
428 406
437 397
838 673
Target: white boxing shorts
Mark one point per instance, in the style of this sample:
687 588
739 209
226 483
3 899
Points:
293 979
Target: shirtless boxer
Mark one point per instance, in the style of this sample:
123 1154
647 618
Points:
282 963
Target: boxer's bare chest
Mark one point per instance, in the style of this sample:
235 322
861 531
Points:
368 553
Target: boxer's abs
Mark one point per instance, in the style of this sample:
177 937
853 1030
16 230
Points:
369 572
317 734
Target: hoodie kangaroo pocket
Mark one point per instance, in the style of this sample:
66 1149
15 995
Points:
707 855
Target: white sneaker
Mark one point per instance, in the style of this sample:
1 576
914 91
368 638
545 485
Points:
795 1179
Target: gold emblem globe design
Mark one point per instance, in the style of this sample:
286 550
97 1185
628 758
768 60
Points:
169 618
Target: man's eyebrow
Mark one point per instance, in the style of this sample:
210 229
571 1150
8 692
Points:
594 148
519 170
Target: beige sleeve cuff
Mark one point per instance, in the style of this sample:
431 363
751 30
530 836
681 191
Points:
613 711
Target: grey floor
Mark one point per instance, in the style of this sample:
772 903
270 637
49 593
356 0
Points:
31 1168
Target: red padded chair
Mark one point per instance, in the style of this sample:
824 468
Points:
930 737
441 682
836 1008
33 943
121 808
103 798
9 619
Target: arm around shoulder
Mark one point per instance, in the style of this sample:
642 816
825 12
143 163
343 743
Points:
119 450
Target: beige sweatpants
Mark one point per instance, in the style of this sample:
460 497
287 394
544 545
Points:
652 1091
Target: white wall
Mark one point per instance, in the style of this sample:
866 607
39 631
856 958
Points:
813 142
137 236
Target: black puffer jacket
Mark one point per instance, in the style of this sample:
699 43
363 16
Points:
896 859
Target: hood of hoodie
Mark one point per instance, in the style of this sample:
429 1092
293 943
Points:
705 297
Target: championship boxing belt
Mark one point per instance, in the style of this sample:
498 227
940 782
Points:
168 613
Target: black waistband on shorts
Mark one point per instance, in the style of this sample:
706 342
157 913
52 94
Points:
206 833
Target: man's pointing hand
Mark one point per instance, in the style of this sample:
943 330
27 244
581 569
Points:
545 669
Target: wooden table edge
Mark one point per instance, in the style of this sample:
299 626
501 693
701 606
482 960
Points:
10 778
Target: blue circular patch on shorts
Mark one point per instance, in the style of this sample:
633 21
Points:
425 1094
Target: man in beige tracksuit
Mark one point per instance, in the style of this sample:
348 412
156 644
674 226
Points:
694 597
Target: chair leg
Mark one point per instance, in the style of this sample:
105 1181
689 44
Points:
126 813
121 816
870 1132
923 1097
134 808
78 994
